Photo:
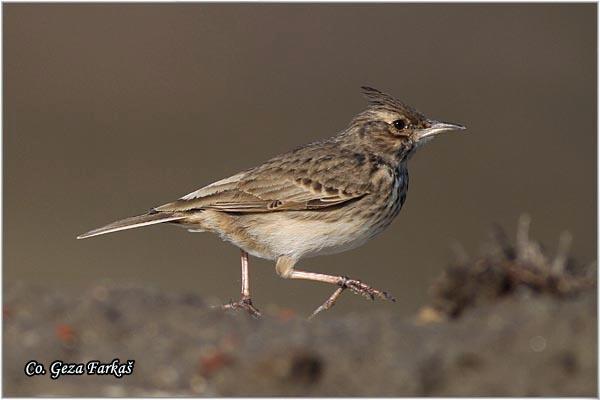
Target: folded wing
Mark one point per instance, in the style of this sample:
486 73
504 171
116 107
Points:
272 187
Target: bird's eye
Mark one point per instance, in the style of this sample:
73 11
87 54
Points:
400 124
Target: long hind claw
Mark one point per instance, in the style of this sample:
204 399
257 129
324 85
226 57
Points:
330 302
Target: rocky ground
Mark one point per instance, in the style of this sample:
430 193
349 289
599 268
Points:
510 322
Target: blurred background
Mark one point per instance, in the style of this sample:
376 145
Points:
112 109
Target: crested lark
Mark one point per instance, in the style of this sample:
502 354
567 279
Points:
326 197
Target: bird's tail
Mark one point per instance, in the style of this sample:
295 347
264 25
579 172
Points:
134 222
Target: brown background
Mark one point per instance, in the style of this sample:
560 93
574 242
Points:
112 109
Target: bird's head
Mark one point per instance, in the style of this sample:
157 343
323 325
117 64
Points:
390 128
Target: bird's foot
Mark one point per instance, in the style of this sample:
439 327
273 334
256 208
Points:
364 290
245 303
357 287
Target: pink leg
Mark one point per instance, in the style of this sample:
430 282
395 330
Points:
245 276
245 302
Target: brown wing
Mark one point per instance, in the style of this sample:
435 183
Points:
295 181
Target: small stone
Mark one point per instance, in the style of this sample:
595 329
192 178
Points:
537 343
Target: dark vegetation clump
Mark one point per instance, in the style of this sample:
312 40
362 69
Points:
507 269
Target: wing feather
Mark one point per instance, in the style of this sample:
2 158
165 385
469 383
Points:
279 185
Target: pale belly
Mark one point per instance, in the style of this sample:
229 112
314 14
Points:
273 235
300 239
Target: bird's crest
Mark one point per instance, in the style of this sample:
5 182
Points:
383 102
378 99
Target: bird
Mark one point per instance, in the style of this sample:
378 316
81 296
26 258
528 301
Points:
326 197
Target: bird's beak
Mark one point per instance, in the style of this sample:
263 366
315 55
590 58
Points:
437 128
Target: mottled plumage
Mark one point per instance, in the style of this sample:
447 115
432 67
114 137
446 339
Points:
325 197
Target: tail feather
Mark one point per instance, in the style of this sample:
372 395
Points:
133 222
